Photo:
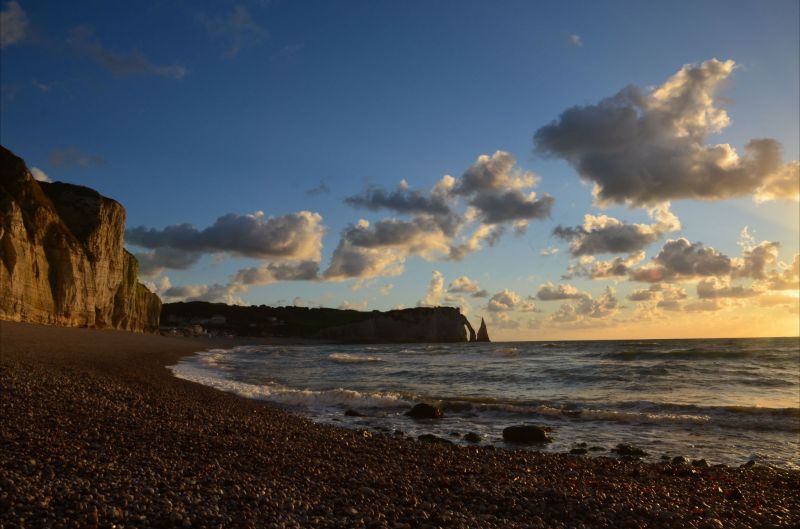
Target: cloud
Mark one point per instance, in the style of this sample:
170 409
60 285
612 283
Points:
645 147
13 24
433 295
154 262
215 293
507 300
587 308
575 40
603 234
360 305
401 200
273 272
591 267
755 257
238 29
385 289
321 189
120 64
550 292
71 158
546 252
683 259
658 292
480 294
370 250
714 287
464 285
786 277
492 188
502 320
40 175
296 236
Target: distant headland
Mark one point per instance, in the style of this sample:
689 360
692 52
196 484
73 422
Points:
63 263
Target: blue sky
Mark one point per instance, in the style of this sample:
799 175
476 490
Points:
188 111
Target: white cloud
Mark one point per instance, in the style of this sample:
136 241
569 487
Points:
40 175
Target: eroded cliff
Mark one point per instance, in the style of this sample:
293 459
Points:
63 261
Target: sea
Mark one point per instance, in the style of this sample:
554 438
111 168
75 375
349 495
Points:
727 401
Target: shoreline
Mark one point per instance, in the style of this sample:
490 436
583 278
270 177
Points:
98 431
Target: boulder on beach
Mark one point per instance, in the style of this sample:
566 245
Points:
424 411
472 437
625 449
526 434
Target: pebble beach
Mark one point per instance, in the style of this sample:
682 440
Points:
96 432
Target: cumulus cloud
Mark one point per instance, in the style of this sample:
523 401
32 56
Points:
296 236
464 285
755 256
71 158
40 175
238 29
502 320
545 252
120 64
360 305
154 262
601 234
786 277
658 292
587 308
508 300
214 293
644 147
495 194
13 24
683 259
273 272
715 287
401 200
550 292
589 266
433 295
369 250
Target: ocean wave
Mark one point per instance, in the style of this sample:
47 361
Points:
281 394
347 358
693 353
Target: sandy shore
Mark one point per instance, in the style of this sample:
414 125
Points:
95 432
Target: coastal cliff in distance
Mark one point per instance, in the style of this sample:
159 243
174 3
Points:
62 259
437 324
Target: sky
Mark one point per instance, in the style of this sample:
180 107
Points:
569 170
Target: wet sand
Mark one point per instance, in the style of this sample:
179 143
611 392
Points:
95 432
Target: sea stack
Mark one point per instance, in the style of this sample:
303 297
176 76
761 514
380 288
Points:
483 334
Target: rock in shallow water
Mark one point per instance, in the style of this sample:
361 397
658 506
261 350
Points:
625 449
526 434
472 437
424 411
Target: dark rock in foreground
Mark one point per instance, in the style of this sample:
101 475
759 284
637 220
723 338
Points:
472 437
526 434
424 411
625 449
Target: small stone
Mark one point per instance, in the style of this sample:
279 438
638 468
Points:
626 449
472 437
702 463
679 460
353 413
430 438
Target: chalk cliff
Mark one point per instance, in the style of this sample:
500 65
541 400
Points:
62 256
439 324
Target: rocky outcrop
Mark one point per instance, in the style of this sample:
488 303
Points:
62 256
437 324
483 334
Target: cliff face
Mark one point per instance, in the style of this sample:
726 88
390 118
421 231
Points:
440 324
62 254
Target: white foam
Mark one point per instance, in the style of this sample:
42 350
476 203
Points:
290 396
347 358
